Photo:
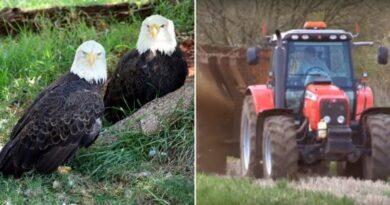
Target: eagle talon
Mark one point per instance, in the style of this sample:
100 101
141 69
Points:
64 169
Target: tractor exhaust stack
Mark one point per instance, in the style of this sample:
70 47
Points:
280 71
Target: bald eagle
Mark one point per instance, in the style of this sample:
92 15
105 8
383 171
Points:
64 117
156 67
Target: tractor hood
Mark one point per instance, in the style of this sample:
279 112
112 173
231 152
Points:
326 102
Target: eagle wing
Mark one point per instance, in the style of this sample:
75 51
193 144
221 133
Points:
123 75
121 85
51 130
139 79
29 111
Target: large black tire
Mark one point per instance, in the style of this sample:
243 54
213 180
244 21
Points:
377 165
250 151
280 152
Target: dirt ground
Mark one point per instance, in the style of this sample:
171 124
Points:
364 192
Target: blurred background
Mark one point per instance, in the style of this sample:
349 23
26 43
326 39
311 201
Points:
225 28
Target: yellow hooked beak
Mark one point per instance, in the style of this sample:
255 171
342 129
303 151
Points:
153 30
91 58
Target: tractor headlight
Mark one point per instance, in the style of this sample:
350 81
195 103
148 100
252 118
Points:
343 37
340 119
327 119
305 36
294 37
332 37
322 129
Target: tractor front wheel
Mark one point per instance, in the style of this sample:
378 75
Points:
280 152
376 165
249 149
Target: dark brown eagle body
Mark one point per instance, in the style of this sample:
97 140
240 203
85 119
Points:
139 79
63 118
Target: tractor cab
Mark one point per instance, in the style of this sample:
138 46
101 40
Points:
312 110
314 54
311 55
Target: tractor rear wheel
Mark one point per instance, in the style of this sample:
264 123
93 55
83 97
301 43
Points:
250 152
377 166
280 152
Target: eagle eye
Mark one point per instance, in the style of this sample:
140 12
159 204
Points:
162 26
84 53
99 53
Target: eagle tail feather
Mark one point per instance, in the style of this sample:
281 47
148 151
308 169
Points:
7 166
49 162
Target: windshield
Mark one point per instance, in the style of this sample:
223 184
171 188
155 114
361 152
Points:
309 61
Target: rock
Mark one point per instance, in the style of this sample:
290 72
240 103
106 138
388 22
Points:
56 184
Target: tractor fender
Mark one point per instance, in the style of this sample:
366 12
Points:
263 97
364 100
370 111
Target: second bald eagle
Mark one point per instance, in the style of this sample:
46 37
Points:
156 67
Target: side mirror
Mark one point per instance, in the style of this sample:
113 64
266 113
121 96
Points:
383 54
252 55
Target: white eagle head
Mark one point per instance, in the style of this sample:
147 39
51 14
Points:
157 33
90 62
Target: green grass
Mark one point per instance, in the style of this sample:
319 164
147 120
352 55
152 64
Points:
216 190
120 173
41 4
386 193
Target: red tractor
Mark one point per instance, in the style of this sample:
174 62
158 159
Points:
313 110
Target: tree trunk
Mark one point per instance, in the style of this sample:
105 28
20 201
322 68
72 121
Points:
151 118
